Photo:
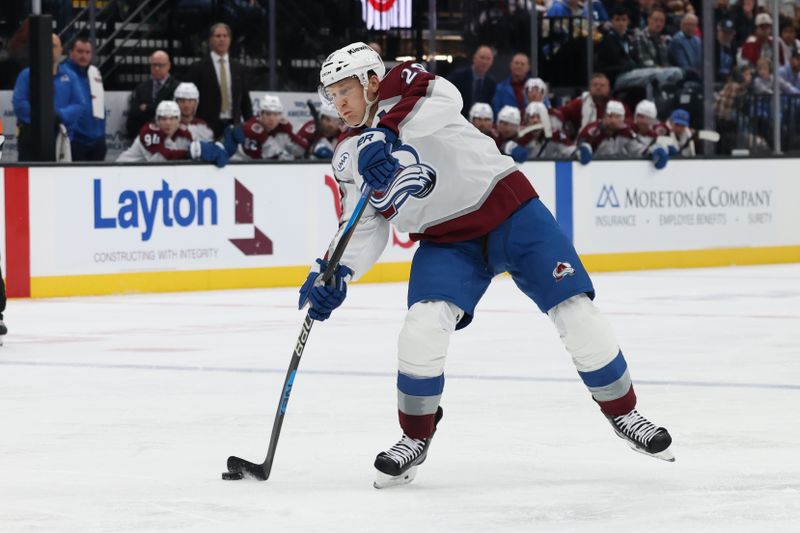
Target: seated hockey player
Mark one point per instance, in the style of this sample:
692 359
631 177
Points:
475 215
681 134
167 139
611 137
322 143
546 142
508 121
482 117
646 125
536 91
265 136
187 97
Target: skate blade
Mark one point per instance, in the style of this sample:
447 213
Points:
664 455
384 481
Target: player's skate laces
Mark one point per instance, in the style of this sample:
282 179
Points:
398 464
642 435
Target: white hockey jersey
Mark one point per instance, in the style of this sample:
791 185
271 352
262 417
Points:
453 183
200 130
152 145
280 143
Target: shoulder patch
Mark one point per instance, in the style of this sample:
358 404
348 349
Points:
257 128
341 163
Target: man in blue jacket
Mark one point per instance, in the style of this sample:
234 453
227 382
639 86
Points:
685 49
68 103
511 91
89 138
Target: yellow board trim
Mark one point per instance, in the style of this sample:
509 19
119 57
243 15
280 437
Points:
249 278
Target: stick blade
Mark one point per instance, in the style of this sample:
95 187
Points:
708 135
246 468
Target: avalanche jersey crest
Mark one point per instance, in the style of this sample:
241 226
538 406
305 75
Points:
413 179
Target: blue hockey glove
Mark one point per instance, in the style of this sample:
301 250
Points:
233 137
672 150
519 154
323 152
660 157
375 161
324 298
585 153
213 153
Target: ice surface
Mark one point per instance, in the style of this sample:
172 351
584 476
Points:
118 413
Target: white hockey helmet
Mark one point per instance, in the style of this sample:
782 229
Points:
615 107
187 91
537 83
510 114
536 108
168 108
327 110
646 108
354 60
270 104
481 110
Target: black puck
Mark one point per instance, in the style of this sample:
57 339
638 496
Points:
232 475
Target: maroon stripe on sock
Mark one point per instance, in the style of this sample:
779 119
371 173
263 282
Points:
620 406
417 426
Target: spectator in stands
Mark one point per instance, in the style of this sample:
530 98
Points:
511 91
474 82
590 106
640 13
724 50
508 122
482 117
89 138
67 104
223 83
788 41
323 137
614 55
565 8
650 44
681 134
791 73
537 143
167 139
738 85
148 94
762 83
265 136
723 11
685 49
759 44
187 97
744 19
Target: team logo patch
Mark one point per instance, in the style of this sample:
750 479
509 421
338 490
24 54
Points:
413 180
342 162
562 270
257 128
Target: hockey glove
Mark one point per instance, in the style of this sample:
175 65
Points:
233 137
672 150
375 161
210 152
519 154
323 152
324 298
585 153
660 158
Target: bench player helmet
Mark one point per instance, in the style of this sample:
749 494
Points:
353 61
270 104
168 108
187 91
481 110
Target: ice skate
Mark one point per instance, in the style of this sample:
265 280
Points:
398 464
643 436
3 331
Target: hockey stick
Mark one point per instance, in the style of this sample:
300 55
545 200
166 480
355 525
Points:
314 115
702 135
238 467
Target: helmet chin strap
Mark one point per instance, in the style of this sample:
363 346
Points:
367 110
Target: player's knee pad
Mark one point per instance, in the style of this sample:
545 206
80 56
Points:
586 333
423 342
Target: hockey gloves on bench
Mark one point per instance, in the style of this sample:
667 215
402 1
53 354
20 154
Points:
232 138
659 157
324 298
375 161
210 152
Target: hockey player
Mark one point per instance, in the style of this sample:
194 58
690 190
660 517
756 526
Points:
611 137
475 215
681 134
265 136
167 139
187 97
646 125
322 143
482 117
508 121
538 145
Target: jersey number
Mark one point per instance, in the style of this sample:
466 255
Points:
408 75
151 138
251 145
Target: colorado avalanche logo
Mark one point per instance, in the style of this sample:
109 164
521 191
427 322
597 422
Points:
562 270
413 179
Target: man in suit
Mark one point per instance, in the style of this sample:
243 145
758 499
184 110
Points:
148 94
223 84
474 82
